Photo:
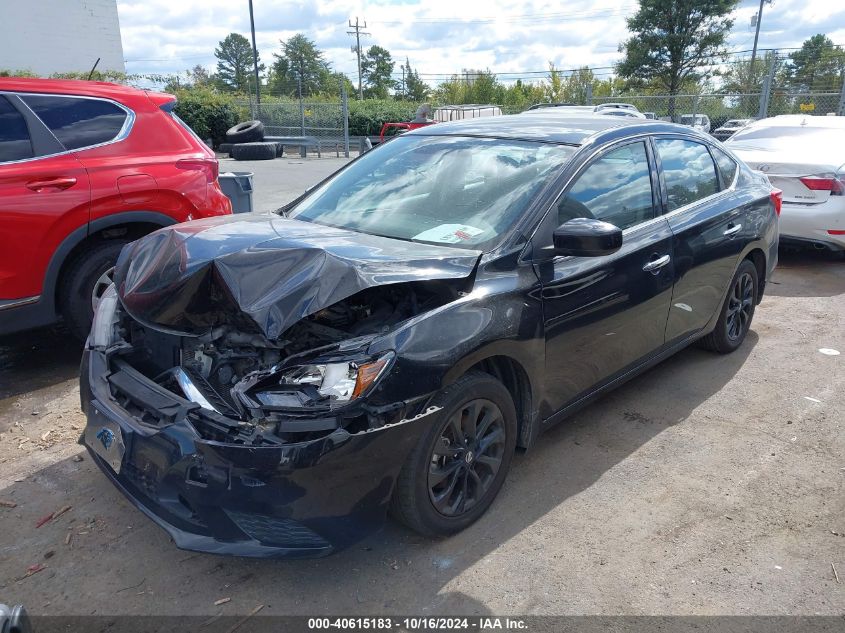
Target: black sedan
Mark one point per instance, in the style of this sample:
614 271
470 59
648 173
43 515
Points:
273 384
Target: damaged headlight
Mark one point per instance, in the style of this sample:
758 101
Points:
102 329
339 382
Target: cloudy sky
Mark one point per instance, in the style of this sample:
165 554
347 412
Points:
440 37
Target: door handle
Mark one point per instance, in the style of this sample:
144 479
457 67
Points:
57 184
656 264
733 229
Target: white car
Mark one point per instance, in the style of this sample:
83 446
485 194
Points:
700 122
803 156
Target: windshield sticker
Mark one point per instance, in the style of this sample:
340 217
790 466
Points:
449 234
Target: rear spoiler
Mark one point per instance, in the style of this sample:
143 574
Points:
163 100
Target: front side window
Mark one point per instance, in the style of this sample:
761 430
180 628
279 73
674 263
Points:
688 170
616 188
15 143
78 122
462 191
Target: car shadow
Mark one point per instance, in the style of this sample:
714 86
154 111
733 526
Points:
394 571
36 359
808 273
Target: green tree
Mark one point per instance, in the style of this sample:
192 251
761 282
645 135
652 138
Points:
818 65
377 72
673 40
234 63
300 61
415 88
740 77
554 89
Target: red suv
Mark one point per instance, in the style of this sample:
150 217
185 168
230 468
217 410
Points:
85 168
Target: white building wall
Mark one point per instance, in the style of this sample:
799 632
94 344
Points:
50 36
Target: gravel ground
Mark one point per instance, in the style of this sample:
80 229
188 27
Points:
709 485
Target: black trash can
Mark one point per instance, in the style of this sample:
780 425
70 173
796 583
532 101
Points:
237 185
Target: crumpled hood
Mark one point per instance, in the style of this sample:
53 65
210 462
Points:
275 271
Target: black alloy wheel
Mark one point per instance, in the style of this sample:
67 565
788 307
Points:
740 306
466 457
461 459
737 311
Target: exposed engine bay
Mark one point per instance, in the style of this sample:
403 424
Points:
255 390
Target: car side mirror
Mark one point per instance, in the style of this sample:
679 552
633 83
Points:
586 237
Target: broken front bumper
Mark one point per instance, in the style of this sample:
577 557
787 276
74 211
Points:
297 500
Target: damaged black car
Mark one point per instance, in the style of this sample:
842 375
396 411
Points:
272 385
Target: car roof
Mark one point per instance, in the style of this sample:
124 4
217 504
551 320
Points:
550 128
78 87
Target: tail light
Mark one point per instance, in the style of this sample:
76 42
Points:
833 184
777 200
835 232
209 166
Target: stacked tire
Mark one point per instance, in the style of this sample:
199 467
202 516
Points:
245 141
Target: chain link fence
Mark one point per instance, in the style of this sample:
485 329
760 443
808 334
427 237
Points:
324 122
719 108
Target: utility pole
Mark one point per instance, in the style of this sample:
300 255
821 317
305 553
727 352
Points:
403 82
756 37
765 95
357 49
254 56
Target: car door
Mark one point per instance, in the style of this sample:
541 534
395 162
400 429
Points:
603 315
44 196
708 228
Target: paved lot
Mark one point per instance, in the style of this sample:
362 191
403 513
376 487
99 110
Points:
712 484
279 181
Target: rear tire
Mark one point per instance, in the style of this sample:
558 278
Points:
737 311
78 283
254 151
246 132
460 463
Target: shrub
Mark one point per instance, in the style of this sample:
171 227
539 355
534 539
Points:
367 117
208 113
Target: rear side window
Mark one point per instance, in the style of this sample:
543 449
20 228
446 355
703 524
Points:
688 170
78 122
14 134
616 188
726 165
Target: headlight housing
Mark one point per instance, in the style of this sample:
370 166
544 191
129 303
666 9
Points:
102 328
339 382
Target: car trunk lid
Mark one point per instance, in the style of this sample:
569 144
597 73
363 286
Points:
803 181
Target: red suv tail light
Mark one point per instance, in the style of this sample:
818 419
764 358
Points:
777 200
209 166
834 185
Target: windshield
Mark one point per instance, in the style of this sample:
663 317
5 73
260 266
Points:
463 191
688 118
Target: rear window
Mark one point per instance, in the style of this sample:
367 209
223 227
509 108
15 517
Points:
78 122
768 136
185 126
14 134
726 165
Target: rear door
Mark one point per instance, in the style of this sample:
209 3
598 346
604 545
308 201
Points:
605 314
710 229
45 196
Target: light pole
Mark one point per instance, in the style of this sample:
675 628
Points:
254 55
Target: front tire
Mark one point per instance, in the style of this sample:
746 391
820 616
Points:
459 465
86 276
737 311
